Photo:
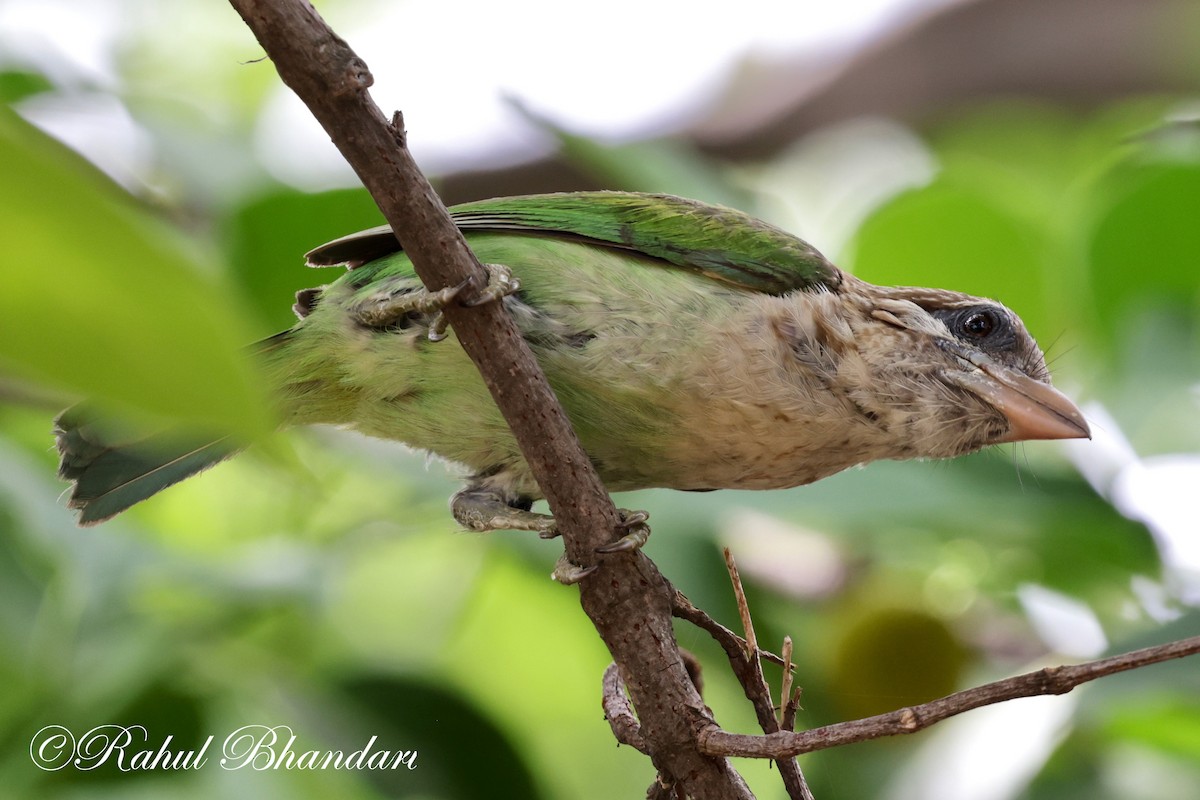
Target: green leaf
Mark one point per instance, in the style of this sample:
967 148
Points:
16 85
269 236
1144 244
1167 722
100 301
955 236
413 714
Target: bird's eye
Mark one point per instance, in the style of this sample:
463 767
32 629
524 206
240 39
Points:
982 326
979 324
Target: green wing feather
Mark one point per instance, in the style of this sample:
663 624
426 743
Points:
720 243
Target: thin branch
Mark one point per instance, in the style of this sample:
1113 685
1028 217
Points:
733 644
628 600
1052 680
743 607
619 712
785 688
787 719
745 658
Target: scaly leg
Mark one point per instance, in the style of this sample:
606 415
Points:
389 307
481 509
500 284
386 308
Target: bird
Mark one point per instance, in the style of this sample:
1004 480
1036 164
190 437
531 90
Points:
692 346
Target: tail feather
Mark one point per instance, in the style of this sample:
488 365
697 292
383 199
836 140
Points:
109 477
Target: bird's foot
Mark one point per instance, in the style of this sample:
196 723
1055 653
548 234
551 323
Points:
388 308
637 532
634 522
480 509
568 573
500 284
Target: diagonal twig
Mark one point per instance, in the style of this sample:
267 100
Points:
1051 680
730 642
757 690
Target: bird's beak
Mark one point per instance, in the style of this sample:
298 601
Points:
1034 410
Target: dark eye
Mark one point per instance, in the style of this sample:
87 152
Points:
979 324
982 326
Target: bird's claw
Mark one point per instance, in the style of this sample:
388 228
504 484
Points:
638 533
500 283
387 307
480 509
634 522
568 573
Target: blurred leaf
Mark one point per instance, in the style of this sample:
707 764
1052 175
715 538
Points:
1145 243
893 657
1026 152
269 236
99 301
163 711
1165 723
461 753
522 652
16 85
955 236
1149 383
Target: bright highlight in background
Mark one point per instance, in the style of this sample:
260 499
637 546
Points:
632 70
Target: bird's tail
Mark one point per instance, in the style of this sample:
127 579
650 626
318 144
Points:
111 471
110 475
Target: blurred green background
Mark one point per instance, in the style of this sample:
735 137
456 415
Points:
318 581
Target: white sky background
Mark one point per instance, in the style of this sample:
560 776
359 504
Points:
620 70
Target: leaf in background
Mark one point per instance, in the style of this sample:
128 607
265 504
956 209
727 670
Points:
1163 723
893 657
269 236
461 752
16 85
98 300
955 236
1144 245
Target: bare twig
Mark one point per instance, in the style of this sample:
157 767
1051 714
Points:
749 674
745 658
743 607
628 601
627 730
733 644
1052 680
785 687
619 712
787 720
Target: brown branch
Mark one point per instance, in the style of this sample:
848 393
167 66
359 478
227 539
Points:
757 690
1052 680
628 601
733 644
619 712
743 606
